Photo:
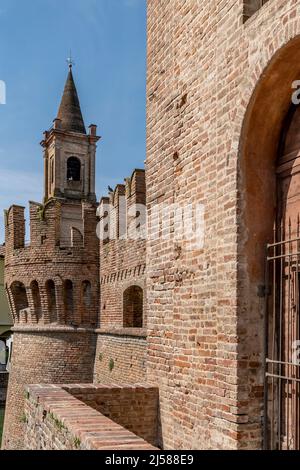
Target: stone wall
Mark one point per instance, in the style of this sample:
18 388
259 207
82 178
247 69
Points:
3 387
120 356
56 420
205 310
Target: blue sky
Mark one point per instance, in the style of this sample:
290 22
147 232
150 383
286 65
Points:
108 42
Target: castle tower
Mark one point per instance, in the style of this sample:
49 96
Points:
52 283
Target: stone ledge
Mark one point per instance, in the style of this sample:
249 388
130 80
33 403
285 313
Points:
50 328
138 332
55 419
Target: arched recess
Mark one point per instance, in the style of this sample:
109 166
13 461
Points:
51 301
87 302
19 298
3 358
68 298
262 132
36 298
133 307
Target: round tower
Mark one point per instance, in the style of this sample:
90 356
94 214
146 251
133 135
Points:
52 281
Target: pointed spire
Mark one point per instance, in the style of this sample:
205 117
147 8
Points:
69 111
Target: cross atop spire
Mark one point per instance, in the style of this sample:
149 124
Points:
70 60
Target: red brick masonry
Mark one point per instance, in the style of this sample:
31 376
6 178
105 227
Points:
55 419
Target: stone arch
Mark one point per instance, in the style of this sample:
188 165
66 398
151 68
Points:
19 299
133 299
68 299
36 299
51 301
73 169
260 137
257 205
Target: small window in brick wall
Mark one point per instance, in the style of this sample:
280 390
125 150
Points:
251 7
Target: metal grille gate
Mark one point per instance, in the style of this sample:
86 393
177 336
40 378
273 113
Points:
282 346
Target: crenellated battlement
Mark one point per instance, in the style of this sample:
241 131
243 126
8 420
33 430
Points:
53 278
123 254
54 226
122 212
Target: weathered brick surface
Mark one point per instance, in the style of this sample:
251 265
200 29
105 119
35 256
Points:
120 356
123 261
44 357
135 407
3 386
218 91
56 420
204 313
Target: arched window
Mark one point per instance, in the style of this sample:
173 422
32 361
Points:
133 307
68 301
19 297
73 169
51 300
35 291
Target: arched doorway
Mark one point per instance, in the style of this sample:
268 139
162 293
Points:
283 270
268 206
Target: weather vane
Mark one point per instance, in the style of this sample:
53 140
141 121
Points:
70 60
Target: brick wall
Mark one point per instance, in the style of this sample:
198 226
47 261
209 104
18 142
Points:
123 261
251 7
205 326
134 407
53 291
120 356
44 356
3 387
56 420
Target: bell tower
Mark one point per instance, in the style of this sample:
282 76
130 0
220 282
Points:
52 282
69 151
